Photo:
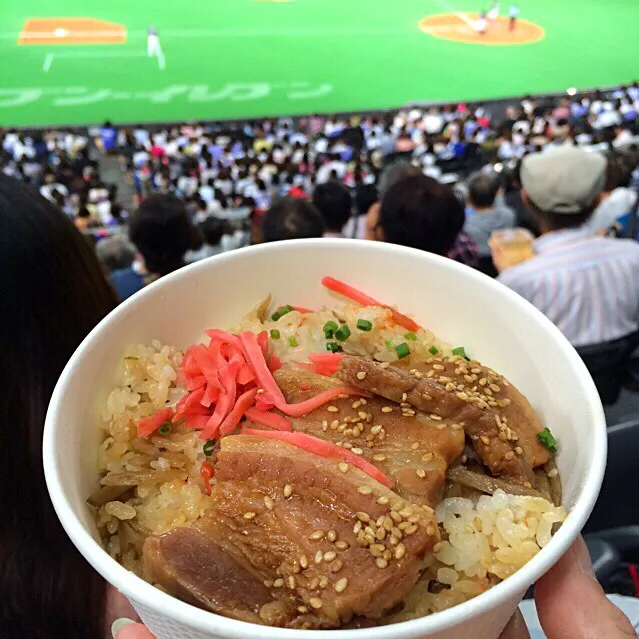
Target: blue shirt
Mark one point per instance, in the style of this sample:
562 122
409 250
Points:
585 284
126 282
109 135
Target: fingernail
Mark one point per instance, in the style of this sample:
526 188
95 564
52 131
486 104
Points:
118 624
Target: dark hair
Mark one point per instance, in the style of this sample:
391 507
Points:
419 212
333 201
290 219
212 230
365 197
483 188
53 294
618 173
162 232
558 221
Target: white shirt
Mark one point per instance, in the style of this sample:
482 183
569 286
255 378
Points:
616 205
586 285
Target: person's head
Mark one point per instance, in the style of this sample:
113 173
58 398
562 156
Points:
333 201
394 173
483 188
365 197
53 293
292 219
562 186
212 230
57 197
115 252
162 232
419 212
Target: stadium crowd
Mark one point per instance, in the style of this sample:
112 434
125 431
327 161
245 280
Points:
441 179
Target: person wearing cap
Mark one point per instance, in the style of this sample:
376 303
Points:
585 284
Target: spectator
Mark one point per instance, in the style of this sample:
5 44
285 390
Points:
333 201
421 213
53 294
291 219
213 233
118 255
617 199
486 213
586 285
365 198
162 232
109 137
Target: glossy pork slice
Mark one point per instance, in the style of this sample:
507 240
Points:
437 389
412 449
315 531
189 564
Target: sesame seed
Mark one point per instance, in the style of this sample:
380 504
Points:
342 396
314 583
463 396
509 455
441 426
456 426
382 501
331 535
485 440
361 414
303 562
527 484
329 556
379 458
323 581
397 533
375 429
435 418
319 557
357 527
400 551
420 473
414 446
291 582
365 517
343 466
341 545
296 569
249 515
519 450
336 566
380 562
324 423
405 512
361 375
316 535
404 396
413 529
427 457
404 525
395 516
302 609
268 502
430 530
494 388
288 490
268 583
316 603
364 490
387 409
357 451
483 381
380 535
553 472
439 367
347 445
340 586
332 409
278 583
504 402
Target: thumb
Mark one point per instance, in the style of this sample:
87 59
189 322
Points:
133 631
572 605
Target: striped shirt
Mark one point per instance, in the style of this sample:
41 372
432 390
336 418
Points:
588 286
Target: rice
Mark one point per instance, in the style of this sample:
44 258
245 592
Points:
482 543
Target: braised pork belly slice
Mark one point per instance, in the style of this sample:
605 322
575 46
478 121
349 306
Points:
317 532
412 448
498 419
189 564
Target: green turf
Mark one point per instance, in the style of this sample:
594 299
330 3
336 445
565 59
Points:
246 58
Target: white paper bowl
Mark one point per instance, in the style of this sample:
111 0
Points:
462 306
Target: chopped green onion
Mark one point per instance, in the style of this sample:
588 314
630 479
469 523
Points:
411 336
275 334
459 351
330 328
343 333
333 347
433 350
547 440
292 341
389 344
280 312
402 350
166 428
208 447
364 325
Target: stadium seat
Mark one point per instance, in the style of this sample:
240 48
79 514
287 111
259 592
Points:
608 364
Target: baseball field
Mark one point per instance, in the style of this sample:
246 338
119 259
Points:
77 63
